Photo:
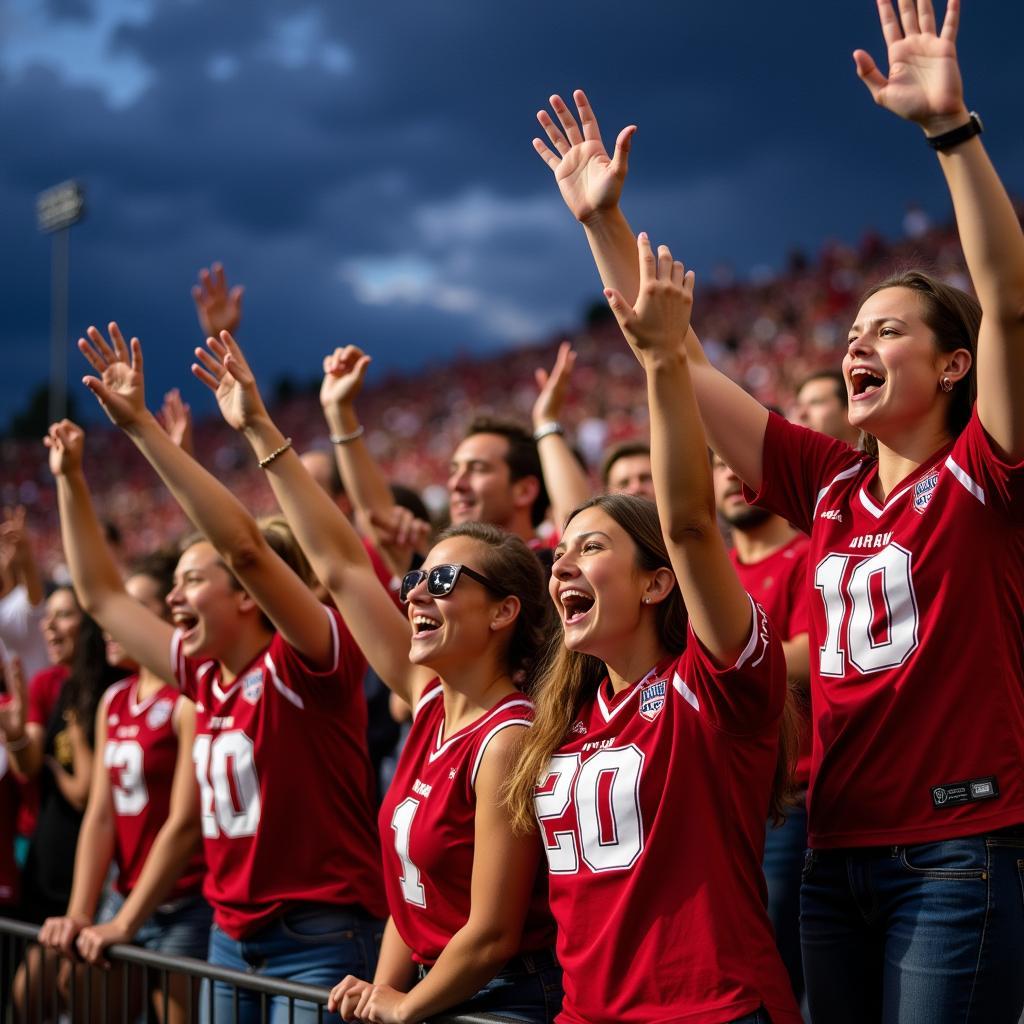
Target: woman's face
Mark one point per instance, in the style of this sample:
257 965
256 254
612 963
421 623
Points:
204 603
892 365
597 585
146 591
461 626
60 626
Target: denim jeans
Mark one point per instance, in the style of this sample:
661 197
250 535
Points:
181 928
313 945
924 934
527 988
784 849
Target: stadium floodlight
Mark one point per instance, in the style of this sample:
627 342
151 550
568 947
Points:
56 210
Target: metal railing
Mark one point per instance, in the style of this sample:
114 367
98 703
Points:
92 997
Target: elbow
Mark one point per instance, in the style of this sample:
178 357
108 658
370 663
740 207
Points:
685 528
245 551
496 945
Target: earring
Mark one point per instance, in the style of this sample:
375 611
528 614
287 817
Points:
647 600
946 384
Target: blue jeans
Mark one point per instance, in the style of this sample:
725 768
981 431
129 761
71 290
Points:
527 988
181 928
924 934
784 849
312 945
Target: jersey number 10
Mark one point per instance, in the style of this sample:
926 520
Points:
229 792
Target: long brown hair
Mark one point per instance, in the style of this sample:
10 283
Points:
954 317
571 678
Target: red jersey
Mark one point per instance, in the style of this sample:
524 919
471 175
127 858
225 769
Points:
285 787
778 582
43 693
917 637
427 826
8 825
653 815
140 756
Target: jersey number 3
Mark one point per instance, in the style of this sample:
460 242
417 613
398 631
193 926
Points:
605 789
877 606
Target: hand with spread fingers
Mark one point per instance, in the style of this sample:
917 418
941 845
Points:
222 367
552 386
658 323
120 386
218 307
923 84
590 181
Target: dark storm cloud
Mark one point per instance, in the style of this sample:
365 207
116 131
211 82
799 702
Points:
368 174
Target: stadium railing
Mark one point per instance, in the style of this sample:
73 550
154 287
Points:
92 1001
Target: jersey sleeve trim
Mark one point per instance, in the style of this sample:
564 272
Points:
487 739
112 691
289 694
679 685
971 486
752 643
844 475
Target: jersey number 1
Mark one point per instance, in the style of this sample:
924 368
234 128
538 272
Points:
878 606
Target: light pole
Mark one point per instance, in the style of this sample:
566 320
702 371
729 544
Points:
56 210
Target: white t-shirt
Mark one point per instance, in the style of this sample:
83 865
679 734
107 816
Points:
21 630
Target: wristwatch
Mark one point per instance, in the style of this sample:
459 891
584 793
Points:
947 140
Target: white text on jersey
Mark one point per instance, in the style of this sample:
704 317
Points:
421 787
871 540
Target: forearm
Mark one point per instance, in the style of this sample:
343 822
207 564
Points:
395 966
613 245
323 533
93 855
565 479
798 662
990 231
466 964
365 484
93 570
174 845
27 761
210 506
26 569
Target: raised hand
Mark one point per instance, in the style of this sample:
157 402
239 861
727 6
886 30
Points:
224 370
658 323
553 386
218 308
176 418
590 181
344 373
13 537
66 441
924 83
120 387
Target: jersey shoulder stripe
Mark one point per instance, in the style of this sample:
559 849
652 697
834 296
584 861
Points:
487 739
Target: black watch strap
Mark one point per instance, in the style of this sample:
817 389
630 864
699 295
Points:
947 140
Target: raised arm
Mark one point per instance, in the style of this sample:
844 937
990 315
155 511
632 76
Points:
94 573
17 556
282 596
366 486
924 86
655 328
218 307
591 184
564 478
177 840
331 544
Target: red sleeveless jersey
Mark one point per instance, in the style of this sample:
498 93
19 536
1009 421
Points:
917 637
427 824
653 814
285 784
140 755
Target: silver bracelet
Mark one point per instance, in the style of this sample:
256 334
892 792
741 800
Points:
276 453
13 746
545 429
348 438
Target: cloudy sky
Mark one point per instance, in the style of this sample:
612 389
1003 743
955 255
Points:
365 169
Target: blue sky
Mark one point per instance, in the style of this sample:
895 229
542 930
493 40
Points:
366 170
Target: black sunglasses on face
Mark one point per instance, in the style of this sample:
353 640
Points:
441 580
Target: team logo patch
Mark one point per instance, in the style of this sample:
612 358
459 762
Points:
652 699
579 728
923 491
159 713
252 685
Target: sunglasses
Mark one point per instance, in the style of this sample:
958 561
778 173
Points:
441 580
